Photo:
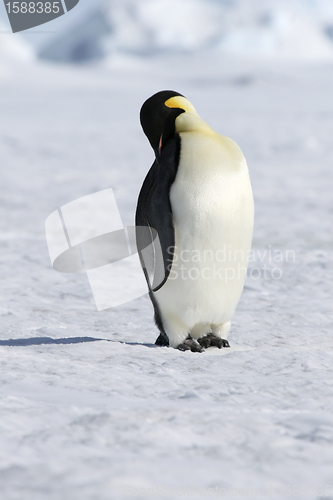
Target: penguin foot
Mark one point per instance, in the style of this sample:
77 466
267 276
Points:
211 341
190 345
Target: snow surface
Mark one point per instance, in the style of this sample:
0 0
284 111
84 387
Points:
89 405
13 49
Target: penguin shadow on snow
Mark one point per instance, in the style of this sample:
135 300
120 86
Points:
36 341
66 340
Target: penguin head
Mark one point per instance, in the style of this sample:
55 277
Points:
158 116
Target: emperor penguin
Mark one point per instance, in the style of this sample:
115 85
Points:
194 224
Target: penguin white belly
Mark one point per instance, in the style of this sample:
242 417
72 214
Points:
212 206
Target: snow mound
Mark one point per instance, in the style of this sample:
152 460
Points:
147 26
279 34
239 27
81 40
295 29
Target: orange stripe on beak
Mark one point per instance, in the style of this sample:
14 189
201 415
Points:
160 146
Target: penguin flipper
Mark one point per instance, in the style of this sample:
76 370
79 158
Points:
154 213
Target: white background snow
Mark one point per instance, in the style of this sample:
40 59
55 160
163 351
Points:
90 407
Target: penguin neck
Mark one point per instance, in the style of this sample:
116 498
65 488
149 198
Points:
191 122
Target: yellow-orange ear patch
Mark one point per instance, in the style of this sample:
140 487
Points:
180 102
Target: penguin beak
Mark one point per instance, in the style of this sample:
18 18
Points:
160 146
